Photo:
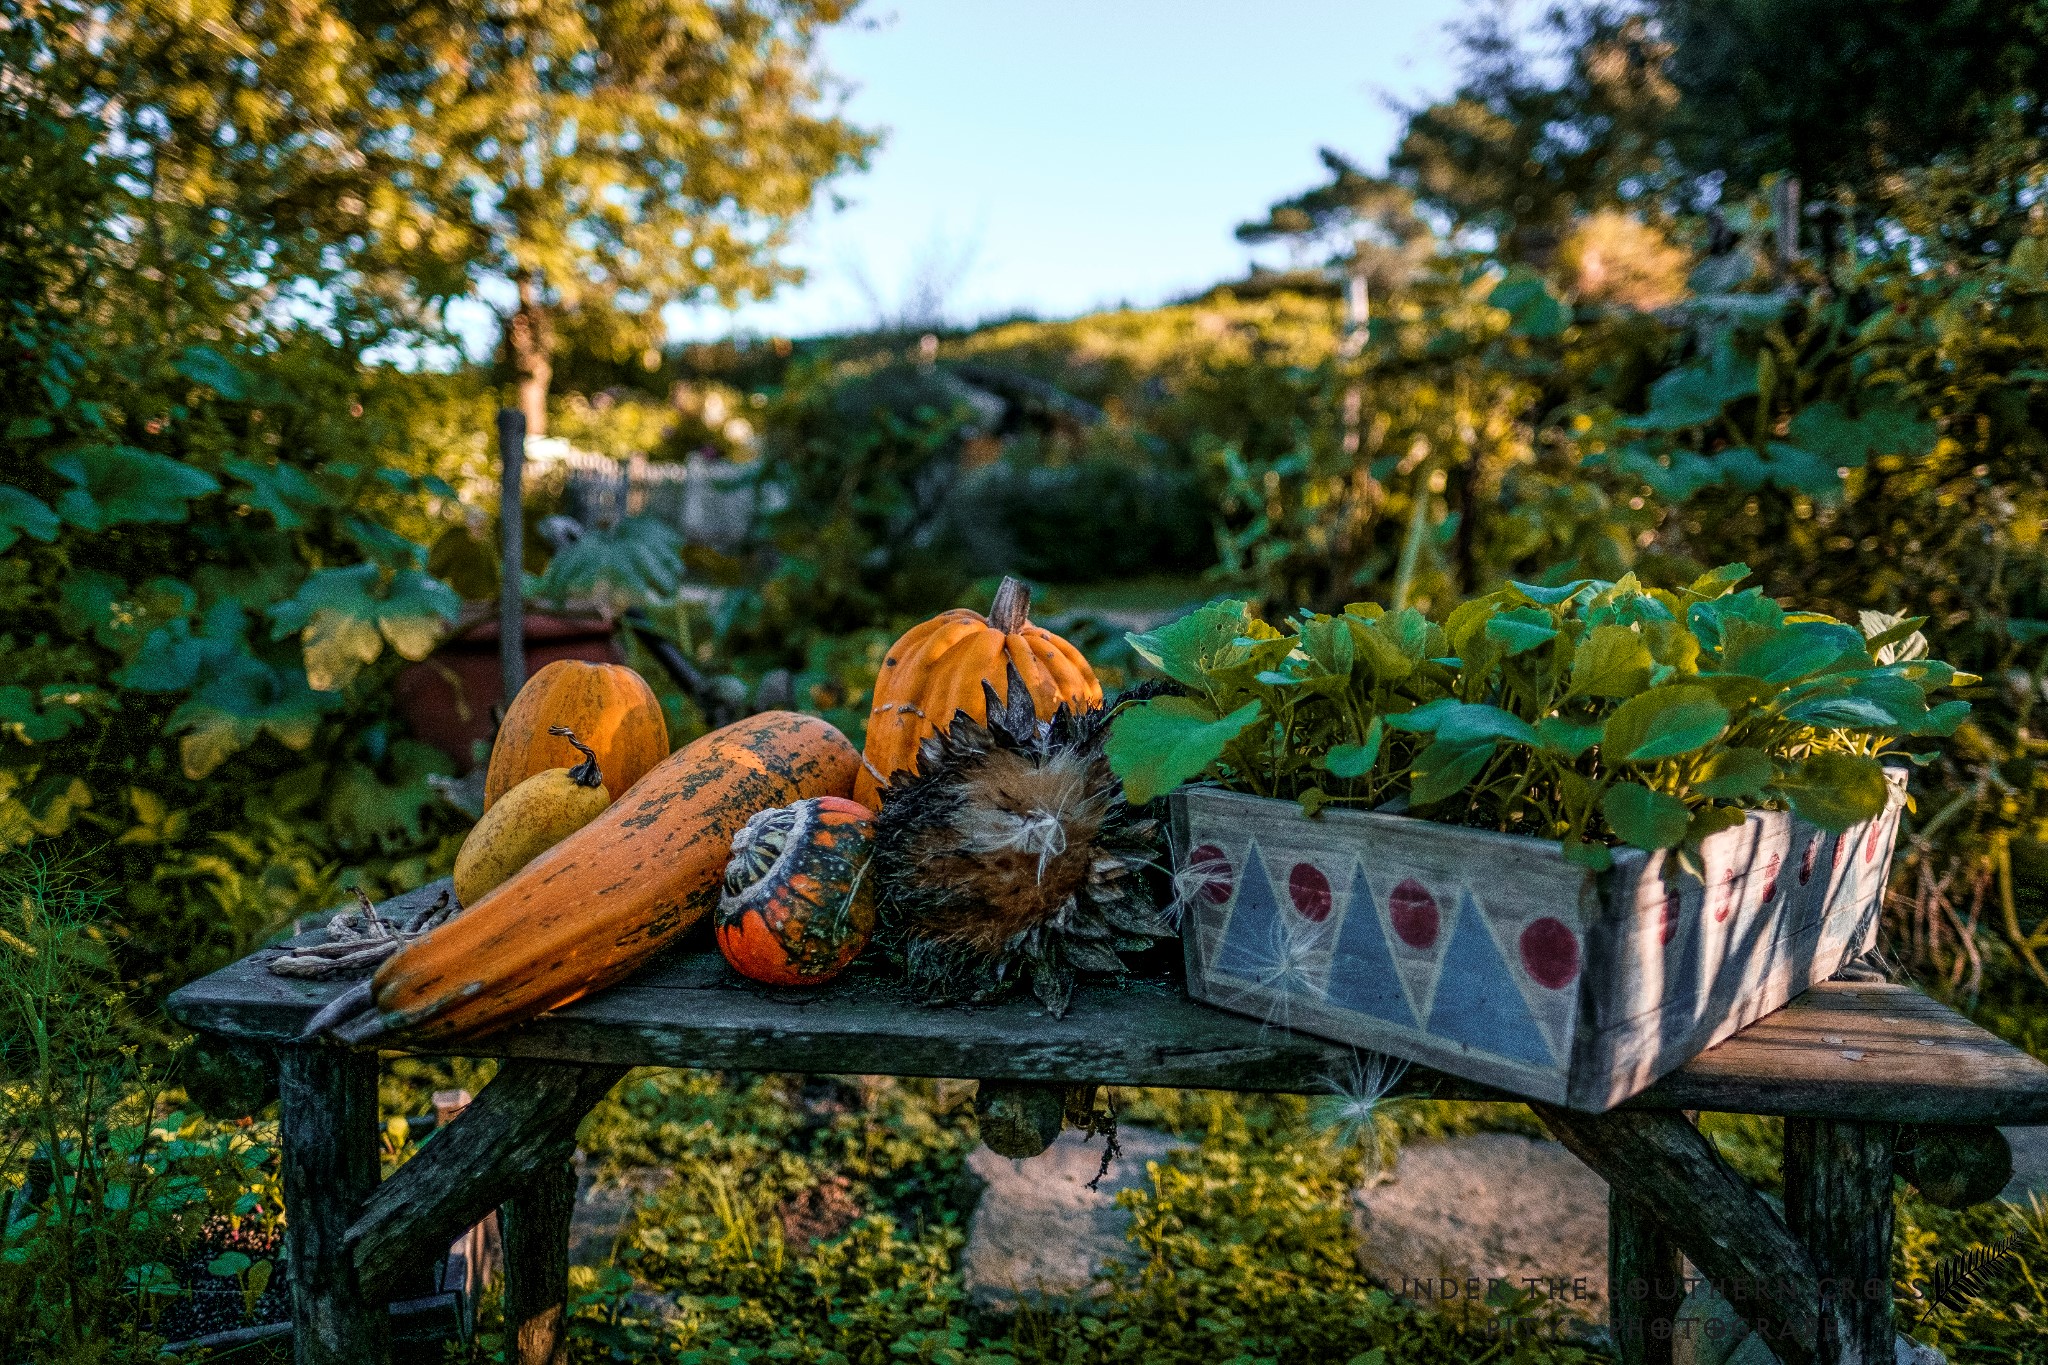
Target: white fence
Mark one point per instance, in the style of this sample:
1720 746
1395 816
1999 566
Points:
711 502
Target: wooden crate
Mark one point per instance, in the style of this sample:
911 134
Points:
1490 957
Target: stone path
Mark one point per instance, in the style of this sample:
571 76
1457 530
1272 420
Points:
1460 1213
2029 1164
1039 1231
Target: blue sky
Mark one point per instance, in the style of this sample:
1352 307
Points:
1054 156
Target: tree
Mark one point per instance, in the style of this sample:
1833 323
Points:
606 158
1841 94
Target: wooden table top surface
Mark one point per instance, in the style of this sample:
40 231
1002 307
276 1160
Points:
1845 1050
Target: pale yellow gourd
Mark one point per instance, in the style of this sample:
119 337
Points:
527 821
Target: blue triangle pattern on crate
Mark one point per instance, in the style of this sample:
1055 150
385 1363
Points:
1477 1001
1362 975
1248 938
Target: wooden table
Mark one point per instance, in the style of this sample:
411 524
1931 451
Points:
1847 1065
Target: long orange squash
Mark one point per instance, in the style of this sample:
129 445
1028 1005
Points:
596 906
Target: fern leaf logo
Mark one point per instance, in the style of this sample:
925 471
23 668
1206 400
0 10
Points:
1961 1278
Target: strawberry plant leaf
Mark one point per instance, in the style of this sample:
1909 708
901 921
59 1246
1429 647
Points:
1159 744
1736 775
1353 761
1521 630
1678 718
1184 649
1836 790
1647 819
1446 767
1568 737
1611 661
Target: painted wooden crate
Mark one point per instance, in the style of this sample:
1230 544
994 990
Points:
1490 957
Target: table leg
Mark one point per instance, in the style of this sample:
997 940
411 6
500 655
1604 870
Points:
536 1233
1645 1283
330 1165
1838 1201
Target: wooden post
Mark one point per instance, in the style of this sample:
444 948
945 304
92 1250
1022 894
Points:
536 1229
1838 1201
1645 1283
512 547
1722 1225
524 1122
329 1102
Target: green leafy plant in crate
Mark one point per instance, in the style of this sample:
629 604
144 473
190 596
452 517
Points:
1591 713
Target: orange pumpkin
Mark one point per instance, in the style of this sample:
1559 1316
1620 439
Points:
609 706
799 903
937 670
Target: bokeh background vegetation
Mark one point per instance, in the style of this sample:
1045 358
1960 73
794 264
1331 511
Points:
1660 287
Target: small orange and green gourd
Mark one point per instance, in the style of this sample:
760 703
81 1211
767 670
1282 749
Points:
799 902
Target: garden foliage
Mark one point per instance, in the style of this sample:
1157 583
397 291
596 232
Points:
1586 712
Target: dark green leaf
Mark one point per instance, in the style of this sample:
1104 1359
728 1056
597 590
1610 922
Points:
117 484
1735 775
1445 768
204 365
1695 394
1351 761
1886 427
1836 791
1790 652
1533 311
1664 722
1521 630
1943 719
22 514
1647 819
282 491
1569 738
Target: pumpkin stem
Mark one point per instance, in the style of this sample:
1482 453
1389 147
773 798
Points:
584 774
1010 612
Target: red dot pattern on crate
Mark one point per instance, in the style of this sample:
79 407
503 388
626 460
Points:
1481 972
1214 874
1309 889
1550 953
1414 913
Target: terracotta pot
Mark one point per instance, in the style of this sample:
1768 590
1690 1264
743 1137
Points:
449 697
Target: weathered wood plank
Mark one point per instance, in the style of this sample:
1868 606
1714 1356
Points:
1838 1201
329 1136
690 1010
525 1120
1865 1052
536 1220
1645 1283
1716 1219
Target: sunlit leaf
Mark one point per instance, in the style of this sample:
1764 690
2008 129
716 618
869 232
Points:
1611 661
1184 649
1157 745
